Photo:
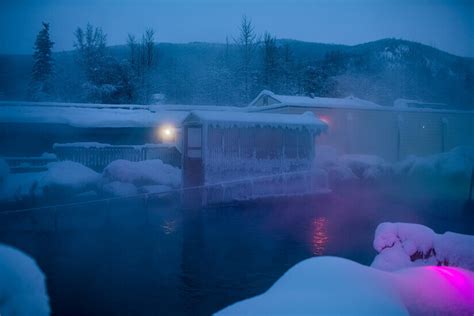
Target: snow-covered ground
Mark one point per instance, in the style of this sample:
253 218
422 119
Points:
22 285
403 245
394 285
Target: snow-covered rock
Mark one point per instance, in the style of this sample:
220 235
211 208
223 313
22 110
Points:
403 245
120 189
22 285
336 286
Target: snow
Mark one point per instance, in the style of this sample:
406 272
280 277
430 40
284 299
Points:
22 285
336 286
455 165
120 189
349 101
69 174
61 177
368 167
403 245
242 119
125 178
88 117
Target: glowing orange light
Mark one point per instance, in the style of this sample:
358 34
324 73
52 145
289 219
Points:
167 133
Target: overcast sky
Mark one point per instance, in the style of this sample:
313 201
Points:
445 24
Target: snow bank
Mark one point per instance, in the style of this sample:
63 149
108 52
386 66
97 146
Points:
454 165
444 172
402 245
324 286
125 178
336 286
350 168
143 172
65 177
22 285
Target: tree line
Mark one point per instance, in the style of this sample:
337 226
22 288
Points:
245 65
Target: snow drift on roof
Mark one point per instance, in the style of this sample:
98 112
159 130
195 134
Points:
349 101
227 119
88 117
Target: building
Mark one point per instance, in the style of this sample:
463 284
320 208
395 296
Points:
361 127
230 156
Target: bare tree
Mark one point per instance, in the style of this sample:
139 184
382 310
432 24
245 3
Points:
247 43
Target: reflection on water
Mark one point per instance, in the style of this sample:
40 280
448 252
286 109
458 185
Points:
320 235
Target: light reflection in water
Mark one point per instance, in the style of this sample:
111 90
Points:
319 235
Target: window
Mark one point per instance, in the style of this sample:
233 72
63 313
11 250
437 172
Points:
194 142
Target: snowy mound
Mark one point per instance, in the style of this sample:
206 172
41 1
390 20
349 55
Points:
22 285
402 245
454 165
65 177
335 286
125 178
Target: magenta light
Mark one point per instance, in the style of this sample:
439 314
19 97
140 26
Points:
457 278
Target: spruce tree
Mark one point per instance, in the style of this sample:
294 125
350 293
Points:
41 84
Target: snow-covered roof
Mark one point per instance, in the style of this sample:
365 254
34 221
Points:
350 101
281 101
88 117
244 119
74 105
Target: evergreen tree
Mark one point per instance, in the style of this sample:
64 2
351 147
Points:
41 84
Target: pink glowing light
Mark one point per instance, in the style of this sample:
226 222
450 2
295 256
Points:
457 278
325 119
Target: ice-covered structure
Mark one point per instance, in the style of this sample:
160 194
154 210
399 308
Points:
239 156
22 285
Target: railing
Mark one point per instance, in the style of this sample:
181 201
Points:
97 156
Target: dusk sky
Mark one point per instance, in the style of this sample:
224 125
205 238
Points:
447 25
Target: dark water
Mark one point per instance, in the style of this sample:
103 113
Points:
128 258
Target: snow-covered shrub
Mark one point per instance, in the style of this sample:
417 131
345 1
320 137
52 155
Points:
366 167
22 285
454 165
145 172
402 245
126 178
336 286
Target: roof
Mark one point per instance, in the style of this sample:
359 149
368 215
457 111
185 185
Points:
350 101
88 117
253 119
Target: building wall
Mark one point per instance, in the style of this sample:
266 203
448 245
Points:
393 135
